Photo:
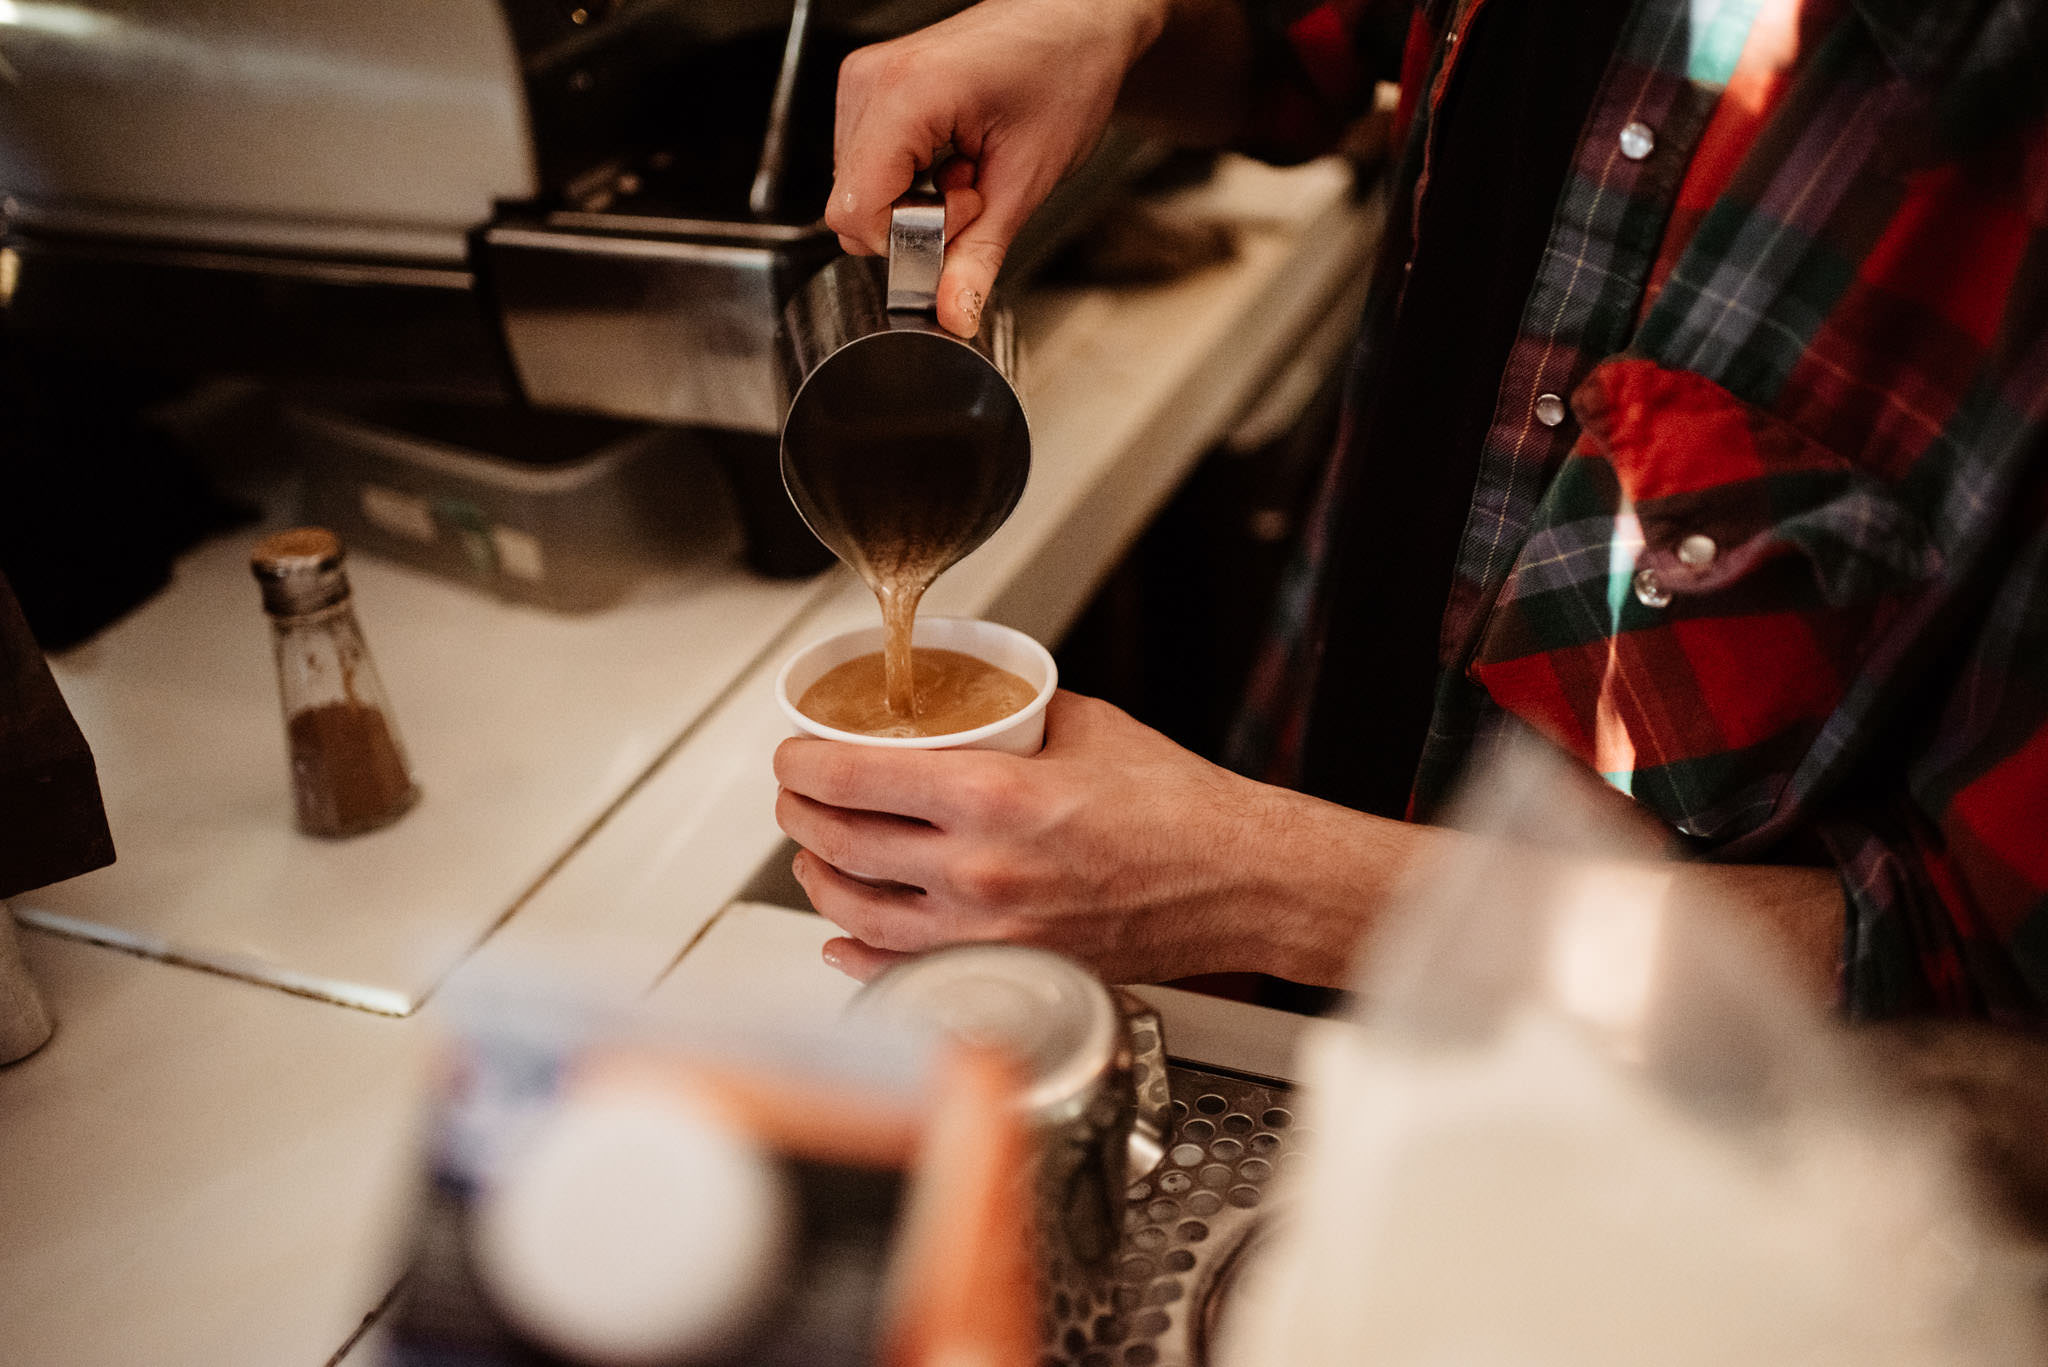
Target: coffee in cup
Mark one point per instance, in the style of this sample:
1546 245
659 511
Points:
984 649
955 692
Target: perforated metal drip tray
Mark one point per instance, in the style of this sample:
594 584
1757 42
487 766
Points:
1184 1228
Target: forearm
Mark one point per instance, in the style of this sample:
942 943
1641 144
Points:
1797 915
1192 85
1317 881
1321 879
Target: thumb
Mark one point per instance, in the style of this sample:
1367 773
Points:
973 258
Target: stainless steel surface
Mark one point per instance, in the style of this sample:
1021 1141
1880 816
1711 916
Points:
764 196
662 328
1185 1231
376 129
409 328
893 419
182 182
381 128
486 201
917 253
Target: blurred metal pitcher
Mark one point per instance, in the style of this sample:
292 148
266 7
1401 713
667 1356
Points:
1093 1082
899 434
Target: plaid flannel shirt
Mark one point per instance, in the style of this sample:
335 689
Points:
1760 530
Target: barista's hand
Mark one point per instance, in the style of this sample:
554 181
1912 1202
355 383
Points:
1018 90
1113 845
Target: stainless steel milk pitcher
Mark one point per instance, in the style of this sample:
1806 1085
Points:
892 418
1093 1087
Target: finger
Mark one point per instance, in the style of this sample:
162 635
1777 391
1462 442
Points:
963 206
924 785
861 198
868 843
849 102
955 173
878 170
886 150
858 961
860 77
1008 193
891 917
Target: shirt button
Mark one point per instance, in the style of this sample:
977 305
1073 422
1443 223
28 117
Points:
1549 409
1638 140
1650 590
1697 551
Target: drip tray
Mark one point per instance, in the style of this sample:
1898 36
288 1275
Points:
1184 1228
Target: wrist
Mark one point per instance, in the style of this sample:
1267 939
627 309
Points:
1324 876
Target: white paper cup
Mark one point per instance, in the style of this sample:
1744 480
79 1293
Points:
1020 733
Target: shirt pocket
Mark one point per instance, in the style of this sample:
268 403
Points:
1702 587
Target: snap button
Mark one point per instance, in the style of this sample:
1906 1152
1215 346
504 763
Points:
1638 140
1549 409
1697 551
1650 590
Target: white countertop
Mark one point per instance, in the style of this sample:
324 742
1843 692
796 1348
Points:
200 1168
523 726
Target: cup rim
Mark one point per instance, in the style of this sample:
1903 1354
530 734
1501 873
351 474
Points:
950 740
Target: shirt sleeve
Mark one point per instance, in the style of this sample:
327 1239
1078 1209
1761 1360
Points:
1947 880
1314 67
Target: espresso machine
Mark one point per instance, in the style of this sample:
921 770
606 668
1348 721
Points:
525 229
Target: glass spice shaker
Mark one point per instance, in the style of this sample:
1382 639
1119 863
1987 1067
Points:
349 772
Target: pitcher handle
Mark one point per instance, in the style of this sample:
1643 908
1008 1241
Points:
917 253
1152 1122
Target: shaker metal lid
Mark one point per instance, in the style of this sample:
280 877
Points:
1046 1012
299 570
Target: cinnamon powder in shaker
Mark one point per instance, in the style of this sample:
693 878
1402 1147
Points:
347 773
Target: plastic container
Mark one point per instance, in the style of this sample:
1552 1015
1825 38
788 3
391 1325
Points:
565 513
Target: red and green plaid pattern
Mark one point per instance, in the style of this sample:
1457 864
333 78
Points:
1782 573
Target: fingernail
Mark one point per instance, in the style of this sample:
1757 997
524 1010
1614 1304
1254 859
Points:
970 304
831 954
